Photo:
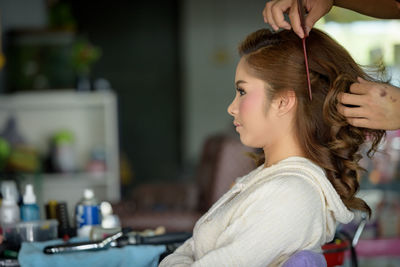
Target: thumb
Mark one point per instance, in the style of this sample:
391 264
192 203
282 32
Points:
311 19
315 13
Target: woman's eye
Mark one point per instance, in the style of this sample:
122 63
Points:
240 91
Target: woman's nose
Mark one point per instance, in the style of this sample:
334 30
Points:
232 110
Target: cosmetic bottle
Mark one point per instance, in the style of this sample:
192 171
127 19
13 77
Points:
9 211
29 209
87 213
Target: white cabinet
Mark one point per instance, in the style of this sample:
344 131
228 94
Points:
91 117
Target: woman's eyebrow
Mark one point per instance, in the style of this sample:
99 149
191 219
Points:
239 82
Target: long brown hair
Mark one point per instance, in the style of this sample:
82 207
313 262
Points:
323 133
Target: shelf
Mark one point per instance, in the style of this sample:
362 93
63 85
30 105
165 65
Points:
96 178
45 100
91 117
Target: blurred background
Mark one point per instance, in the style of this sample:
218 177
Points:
129 97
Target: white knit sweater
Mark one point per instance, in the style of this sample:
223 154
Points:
266 217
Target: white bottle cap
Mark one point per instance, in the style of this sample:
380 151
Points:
8 197
88 193
105 208
29 196
12 187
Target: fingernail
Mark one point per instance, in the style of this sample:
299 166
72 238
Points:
308 29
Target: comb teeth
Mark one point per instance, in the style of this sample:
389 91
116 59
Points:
303 26
307 69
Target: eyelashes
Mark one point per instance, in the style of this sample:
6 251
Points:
240 91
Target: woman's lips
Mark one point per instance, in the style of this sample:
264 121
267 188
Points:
237 125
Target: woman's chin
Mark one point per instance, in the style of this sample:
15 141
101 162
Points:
245 141
248 142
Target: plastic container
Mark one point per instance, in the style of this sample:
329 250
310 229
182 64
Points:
334 252
30 231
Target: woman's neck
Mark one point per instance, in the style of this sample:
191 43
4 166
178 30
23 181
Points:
286 147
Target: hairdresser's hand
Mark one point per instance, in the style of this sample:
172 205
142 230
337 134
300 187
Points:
379 105
274 10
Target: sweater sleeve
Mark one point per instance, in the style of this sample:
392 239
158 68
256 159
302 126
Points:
182 256
282 217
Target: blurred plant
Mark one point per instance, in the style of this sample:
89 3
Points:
16 155
63 152
4 152
24 158
84 55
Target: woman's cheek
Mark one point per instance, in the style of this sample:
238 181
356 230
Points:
249 103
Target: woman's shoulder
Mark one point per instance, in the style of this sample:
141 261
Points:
291 182
284 192
301 164
294 175
302 181
295 168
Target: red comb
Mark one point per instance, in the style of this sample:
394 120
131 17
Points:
303 26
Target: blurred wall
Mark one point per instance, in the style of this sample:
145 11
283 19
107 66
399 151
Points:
172 64
211 32
140 57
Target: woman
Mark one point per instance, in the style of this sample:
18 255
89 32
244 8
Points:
307 181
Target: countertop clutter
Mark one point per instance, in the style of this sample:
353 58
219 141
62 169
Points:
20 219
95 237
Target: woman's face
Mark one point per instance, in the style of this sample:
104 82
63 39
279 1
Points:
252 111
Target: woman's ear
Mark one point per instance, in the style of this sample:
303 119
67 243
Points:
285 102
